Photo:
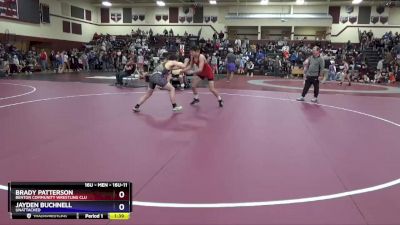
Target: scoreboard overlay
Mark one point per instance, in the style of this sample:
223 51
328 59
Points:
70 200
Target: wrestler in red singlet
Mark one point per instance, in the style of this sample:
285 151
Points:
204 71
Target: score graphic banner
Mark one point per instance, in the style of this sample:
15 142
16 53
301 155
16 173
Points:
62 200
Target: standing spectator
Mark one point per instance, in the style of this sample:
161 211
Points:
379 66
364 73
370 35
230 65
58 62
85 61
104 60
364 40
244 47
293 59
238 43
214 63
312 72
62 65
92 61
332 70
124 60
215 36
242 64
118 62
66 64
217 45
325 71
74 62
247 42
221 35
349 46
140 61
286 68
43 60
53 61
277 66
346 72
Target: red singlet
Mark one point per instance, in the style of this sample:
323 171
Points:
207 71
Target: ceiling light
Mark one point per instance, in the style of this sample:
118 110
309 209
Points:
106 3
160 3
213 2
299 2
264 2
357 1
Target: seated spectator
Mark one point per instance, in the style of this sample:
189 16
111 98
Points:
398 75
4 68
382 77
250 68
28 66
260 57
128 71
392 78
14 65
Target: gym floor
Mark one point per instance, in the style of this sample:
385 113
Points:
262 159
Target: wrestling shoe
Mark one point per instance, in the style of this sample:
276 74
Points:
221 103
177 108
195 101
136 109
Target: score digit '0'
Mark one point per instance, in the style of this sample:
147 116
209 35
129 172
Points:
121 194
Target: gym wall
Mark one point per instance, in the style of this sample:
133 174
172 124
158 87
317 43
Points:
119 21
54 29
